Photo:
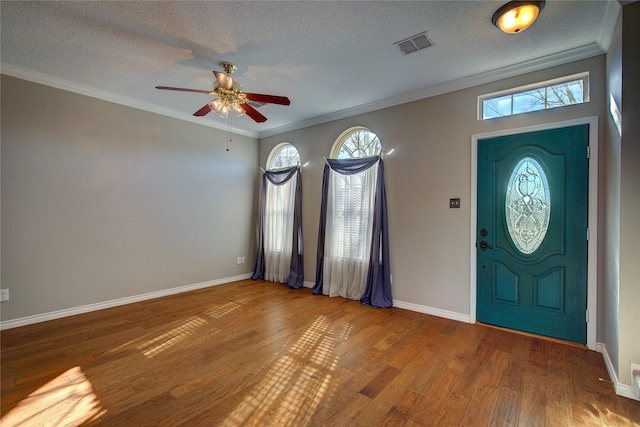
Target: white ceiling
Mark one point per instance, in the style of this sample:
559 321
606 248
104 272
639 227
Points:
332 59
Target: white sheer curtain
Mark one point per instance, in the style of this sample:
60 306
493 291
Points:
350 205
278 230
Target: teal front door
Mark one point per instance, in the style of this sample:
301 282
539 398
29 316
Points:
532 232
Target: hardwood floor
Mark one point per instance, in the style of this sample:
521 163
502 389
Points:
259 354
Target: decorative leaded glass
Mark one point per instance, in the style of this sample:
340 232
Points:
528 205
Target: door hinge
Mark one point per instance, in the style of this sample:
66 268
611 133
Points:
588 234
587 312
588 151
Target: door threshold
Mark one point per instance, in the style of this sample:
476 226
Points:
542 337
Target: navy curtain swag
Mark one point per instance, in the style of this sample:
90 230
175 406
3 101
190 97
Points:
296 271
377 292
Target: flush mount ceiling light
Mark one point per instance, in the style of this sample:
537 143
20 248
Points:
516 16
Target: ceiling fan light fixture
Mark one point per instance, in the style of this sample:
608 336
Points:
229 100
516 16
232 98
237 108
220 106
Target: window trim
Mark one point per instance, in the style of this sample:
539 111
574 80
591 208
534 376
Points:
526 88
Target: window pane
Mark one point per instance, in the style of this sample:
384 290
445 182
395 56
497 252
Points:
286 155
532 100
361 143
565 94
545 96
496 107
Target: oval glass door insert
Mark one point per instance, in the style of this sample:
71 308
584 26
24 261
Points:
527 205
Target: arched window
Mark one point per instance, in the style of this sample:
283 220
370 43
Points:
356 142
283 155
280 253
353 194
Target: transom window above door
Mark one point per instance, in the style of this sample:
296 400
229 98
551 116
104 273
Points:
554 93
283 155
356 142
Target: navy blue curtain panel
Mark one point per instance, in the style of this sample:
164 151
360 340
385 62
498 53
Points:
296 271
377 292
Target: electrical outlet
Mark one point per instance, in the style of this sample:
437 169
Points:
4 294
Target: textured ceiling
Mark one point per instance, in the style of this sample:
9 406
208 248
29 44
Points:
332 59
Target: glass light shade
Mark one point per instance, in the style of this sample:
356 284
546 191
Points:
222 106
237 108
516 16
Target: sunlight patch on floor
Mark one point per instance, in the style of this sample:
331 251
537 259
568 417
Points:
190 327
172 337
317 345
598 414
345 330
222 309
68 400
155 345
296 383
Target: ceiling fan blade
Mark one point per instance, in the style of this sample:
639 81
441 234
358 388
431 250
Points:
203 111
253 113
224 80
208 92
270 99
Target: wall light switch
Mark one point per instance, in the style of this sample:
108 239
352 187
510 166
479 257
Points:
454 203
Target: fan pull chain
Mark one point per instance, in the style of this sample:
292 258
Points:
229 132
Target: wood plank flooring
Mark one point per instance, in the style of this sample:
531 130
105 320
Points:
258 354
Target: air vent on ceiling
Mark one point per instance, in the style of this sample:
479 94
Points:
415 43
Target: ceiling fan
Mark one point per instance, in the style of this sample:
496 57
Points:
231 97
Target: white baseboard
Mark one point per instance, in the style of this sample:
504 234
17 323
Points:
432 311
23 321
420 308
621 389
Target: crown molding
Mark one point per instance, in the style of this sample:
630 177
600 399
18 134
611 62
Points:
560 58
608 26
58 83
